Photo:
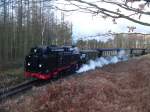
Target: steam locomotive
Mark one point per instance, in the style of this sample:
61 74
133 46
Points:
46 62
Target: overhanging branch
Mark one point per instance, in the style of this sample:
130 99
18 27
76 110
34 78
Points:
114 14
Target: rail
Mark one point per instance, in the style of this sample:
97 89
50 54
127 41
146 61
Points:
5 93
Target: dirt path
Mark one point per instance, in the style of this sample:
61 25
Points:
121 87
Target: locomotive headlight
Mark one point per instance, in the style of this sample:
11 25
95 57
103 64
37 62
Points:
29 64
40 65
35 50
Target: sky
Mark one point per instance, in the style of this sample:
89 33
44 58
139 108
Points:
84 24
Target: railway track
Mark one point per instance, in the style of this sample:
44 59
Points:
5 93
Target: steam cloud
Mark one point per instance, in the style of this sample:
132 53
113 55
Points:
100 62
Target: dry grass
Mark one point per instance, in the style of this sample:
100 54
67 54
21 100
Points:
123 87
11 77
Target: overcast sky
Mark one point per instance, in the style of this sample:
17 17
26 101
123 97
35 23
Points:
85 24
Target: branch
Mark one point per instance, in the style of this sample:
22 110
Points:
112 14
128 8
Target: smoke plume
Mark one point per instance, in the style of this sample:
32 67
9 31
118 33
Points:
102 61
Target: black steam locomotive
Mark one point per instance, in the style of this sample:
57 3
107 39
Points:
46 62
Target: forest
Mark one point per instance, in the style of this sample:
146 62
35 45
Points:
27 23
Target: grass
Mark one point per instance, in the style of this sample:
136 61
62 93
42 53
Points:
11 77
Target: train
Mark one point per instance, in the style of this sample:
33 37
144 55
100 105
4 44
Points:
47 62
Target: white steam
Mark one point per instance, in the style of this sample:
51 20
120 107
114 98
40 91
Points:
100 62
